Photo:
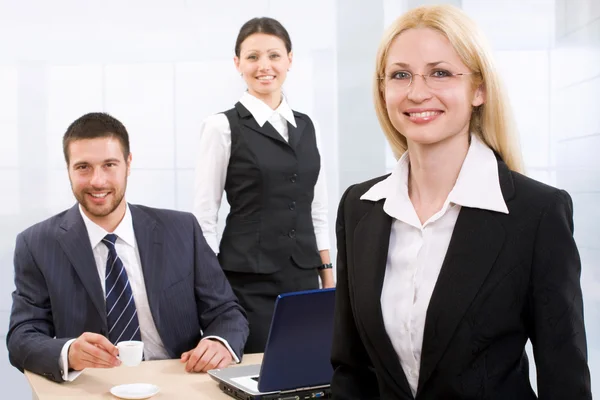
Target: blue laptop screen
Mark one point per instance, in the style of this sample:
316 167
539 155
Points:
298 351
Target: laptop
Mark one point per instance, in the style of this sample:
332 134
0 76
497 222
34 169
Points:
296 364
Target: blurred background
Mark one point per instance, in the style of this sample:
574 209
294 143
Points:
162 66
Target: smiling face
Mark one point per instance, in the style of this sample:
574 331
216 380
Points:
422 114
98 173
263 63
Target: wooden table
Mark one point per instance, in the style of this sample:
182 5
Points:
169 375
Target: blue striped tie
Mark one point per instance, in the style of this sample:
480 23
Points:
121 313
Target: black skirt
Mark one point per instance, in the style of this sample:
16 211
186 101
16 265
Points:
257 294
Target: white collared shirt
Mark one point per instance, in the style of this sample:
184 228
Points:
127 250
211 169
416 251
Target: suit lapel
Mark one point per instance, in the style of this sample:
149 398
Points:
149 238
75 243
476 241
371 242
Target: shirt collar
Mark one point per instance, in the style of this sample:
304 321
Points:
477 186
478 183
262 112
124 230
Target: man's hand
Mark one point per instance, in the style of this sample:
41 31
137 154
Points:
209 354
91 350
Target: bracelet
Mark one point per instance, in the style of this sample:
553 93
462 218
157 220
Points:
325 266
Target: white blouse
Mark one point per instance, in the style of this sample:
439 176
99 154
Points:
416 251
213 158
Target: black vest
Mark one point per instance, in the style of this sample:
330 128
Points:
270 188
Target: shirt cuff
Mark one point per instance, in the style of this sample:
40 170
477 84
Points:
226 344
213 243
322 240
64 360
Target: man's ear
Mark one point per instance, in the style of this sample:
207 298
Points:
129 158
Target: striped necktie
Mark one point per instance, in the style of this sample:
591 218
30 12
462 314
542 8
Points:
121 313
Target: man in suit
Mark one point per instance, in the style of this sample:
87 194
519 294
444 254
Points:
106 271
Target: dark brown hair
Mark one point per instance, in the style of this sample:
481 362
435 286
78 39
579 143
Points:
265 25
96 125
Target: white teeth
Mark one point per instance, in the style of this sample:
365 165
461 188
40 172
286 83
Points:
424 114
266 78
99 196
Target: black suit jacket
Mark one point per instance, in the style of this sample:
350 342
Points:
59 296
506 278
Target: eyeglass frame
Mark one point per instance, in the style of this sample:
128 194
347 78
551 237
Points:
424 76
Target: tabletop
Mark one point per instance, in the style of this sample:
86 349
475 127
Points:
168 375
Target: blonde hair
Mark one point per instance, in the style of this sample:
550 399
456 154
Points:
492 121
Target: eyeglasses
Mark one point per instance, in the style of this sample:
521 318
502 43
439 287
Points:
438 79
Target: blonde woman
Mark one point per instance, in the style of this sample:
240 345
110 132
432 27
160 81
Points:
450 264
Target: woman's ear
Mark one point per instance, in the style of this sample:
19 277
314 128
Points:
236 61
479 96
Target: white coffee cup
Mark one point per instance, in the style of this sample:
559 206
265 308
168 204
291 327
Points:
131 352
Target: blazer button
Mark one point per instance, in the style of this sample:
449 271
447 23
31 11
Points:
293 178
292 205
292 233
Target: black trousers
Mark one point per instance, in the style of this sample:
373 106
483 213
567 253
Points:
257 294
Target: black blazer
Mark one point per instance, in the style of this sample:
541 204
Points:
58 293
506 278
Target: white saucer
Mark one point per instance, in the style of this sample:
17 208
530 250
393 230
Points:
135 391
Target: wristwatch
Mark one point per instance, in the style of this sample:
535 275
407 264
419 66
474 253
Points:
325 266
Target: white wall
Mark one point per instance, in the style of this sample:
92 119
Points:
161 66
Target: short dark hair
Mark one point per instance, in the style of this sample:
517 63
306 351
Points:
96 125
266 25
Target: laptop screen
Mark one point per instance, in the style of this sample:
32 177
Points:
298 351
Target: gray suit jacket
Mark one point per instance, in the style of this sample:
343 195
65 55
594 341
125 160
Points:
58 293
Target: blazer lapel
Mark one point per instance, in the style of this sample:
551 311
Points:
75 243
149 239
371 242
475 244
